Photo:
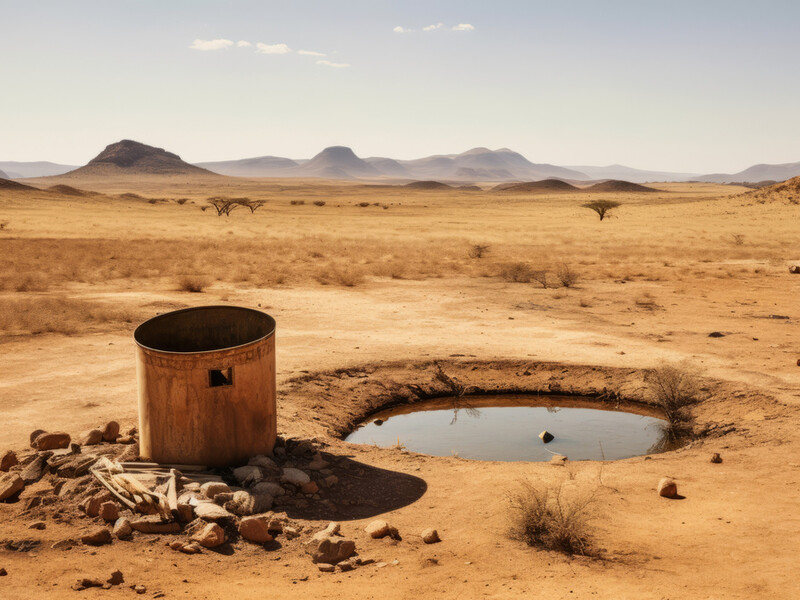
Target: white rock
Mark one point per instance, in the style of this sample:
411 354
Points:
208 511
295 477
212 488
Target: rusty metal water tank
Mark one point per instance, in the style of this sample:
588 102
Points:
206 386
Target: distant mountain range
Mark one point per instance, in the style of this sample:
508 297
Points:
18 170
340 162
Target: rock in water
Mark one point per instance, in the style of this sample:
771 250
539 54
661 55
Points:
667 488
546 437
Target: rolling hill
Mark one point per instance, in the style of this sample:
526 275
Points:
18 170
134 158
756 173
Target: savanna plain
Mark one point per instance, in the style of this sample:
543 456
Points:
378 287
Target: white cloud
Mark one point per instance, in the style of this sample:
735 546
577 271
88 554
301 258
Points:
211 44
432 27
272 48
400 29
328 63
311 53
463 27
243 44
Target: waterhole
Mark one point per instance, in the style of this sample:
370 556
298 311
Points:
507 428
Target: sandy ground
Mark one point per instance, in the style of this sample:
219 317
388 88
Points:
734 535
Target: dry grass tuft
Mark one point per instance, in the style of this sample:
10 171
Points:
517 272
673 388
193 283
546 518
63 315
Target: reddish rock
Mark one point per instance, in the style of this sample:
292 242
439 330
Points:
111 432
92 437
310 488
97 537
210 536
8 460
255 529
667 488
109 511
52 441
10 485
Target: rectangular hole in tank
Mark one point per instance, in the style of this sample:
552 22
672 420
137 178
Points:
220 377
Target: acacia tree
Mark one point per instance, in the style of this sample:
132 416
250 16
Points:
223 206
601 207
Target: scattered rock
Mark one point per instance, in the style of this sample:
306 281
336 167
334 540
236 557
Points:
244 503
109 511
255 529
331 480
275 526
116 578
209 511
92 505
35 470
333 550
154 524
265 462
331 530
185 512
326 568
317 463
268 488
295 477
346 565
667 488
431 536
248 475
291 532
38 525
52 441
92 437
716 458
302 447
309 488
380 528
212 488
122 529
97 537
139 589
210 536
192 548
10 485
8 460
716 334
558 459
85 583
794 269
111 432
546 437
126 439
35 434
3 572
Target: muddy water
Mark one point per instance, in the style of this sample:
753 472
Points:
507 428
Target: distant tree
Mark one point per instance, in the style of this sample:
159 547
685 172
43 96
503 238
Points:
253 205
223 205
601 207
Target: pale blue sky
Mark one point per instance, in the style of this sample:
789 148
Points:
702 85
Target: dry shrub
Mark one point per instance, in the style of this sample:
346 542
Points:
193 283
540 277
516 272
566 275
319 202
546 518
646 301
673 388
344 275
478 250
56 315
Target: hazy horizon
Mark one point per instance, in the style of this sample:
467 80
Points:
675 87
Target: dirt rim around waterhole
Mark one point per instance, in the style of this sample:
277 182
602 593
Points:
331 404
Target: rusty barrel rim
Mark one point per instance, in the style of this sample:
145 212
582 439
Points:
144 329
